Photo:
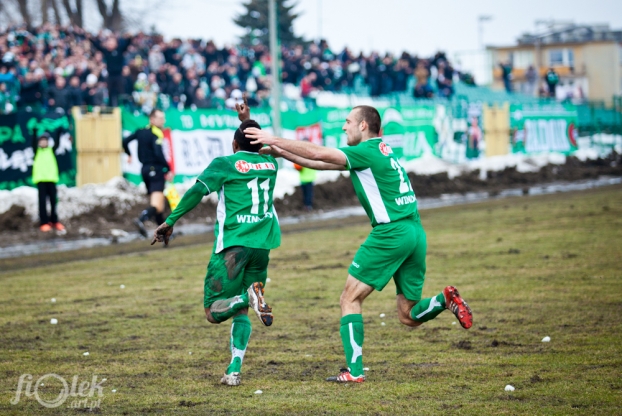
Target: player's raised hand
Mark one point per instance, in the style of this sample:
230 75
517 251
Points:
162 234
260 136
244 111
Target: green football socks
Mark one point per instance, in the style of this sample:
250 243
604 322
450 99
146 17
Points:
224 309
240 333
352 335
427 309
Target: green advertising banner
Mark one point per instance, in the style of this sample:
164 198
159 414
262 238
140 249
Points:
17 131
408 130
194 138
543 128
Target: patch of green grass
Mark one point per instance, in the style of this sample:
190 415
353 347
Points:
529 267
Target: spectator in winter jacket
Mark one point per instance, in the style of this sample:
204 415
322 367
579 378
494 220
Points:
58 94
113 50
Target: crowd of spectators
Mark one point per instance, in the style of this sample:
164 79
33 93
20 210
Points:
61 67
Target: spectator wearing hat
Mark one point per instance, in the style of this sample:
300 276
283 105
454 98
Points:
45 176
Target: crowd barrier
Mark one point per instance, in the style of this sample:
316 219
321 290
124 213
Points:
454 131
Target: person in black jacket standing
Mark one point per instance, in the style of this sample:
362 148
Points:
155 170
113 51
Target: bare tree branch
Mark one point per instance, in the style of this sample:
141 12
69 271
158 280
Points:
23 10
116 21
79 13
75 15
113 17
103 11
57 18
44 11
69 11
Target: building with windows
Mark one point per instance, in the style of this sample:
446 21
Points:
587 59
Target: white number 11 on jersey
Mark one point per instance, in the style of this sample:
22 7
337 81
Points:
265 186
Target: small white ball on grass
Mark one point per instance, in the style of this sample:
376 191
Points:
546 339
382 315
53 321
86 353
509 388
258 392
382 323
53 300
122 286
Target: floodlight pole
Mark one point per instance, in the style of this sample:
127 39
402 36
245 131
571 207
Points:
276 70
480 20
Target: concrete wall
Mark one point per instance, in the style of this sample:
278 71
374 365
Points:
602 64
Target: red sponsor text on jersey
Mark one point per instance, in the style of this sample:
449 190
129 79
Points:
243 166
385 149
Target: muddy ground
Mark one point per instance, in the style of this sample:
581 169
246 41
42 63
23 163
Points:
17 227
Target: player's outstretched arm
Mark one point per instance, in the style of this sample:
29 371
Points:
306 150
190 200
307 163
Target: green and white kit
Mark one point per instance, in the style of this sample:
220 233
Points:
396 246
246 229
245 217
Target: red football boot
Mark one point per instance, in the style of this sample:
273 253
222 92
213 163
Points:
458 306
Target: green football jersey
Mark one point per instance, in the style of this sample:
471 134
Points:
245 215
380 182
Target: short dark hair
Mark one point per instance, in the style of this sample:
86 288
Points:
154 111
243 141
371 117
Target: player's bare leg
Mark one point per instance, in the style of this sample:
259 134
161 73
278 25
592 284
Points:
404 306
157 201
352 331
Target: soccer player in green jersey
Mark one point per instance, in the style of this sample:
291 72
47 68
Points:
396 246
246 229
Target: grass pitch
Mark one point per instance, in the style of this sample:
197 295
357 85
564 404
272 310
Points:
529 267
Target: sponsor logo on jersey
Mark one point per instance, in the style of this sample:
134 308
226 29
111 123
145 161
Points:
243 166
356 265
250 219
385 149
408 199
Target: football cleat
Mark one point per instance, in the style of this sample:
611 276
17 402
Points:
257 303
232 379
345 377
458 306
141 227
59 227
45 228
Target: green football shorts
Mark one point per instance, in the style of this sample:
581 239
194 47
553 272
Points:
232 271
395 250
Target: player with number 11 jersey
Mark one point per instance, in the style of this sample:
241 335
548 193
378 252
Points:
246 230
